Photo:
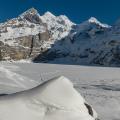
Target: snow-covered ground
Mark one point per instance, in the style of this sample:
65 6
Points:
99 85
55 99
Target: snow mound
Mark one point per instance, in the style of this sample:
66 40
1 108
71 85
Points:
55 99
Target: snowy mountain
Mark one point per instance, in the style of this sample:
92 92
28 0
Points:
50 38
30 34
55 99
89 43
82 45
95 21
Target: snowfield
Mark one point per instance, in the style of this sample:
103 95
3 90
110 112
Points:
55 99
100 86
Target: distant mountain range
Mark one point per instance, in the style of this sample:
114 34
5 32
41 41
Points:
55 39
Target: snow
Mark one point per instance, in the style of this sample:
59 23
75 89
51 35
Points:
49 15
94 20
55 99
88 43
59 26
98 85
90 35
11 81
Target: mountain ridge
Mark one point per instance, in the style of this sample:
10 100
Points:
50 38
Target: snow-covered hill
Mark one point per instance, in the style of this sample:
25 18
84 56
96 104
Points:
100 86
55 99
89 43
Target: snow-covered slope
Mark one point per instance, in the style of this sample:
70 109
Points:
89 43
83 45
55 99
59 26
100 86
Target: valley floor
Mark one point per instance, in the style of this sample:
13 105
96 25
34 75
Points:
99 85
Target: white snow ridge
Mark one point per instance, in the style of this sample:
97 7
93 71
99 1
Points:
55 99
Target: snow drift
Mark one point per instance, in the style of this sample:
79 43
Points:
55 99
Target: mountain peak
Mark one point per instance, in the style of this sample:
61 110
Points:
49 15
31 11
31 15
95 21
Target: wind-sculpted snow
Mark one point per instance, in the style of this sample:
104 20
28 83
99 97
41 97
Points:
55 99
11 81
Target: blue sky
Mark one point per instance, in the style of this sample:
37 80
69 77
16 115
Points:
107 11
